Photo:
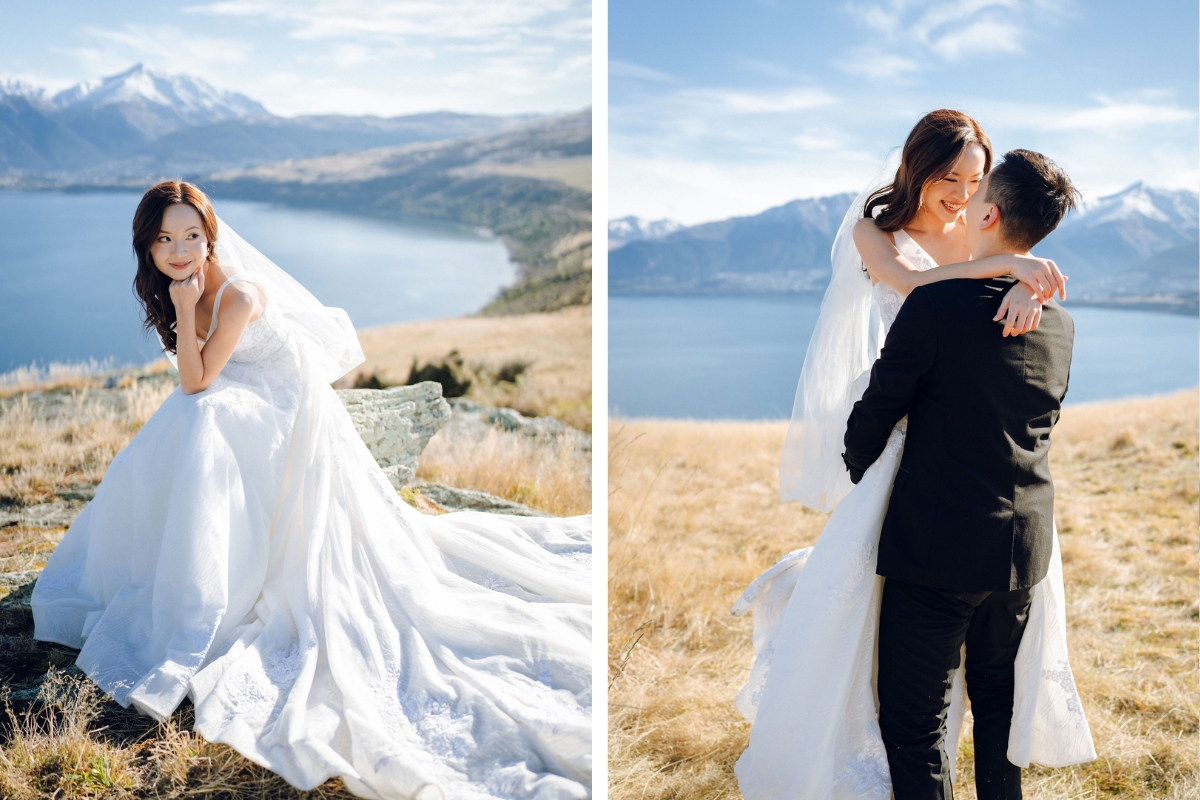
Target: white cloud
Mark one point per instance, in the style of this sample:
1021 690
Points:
695 190
949 31
978 38
164 48
626 69
878 65
360 56
513 20
1107 116
741 102
810 142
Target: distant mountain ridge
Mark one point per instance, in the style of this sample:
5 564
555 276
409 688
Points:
506 182
1136 247
527 177
143 124
632 229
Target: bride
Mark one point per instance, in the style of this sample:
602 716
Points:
246 551
811 691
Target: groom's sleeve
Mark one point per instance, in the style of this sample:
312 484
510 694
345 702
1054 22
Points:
908 353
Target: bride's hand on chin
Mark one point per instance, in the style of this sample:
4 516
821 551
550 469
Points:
1041 275
1021 310
186 293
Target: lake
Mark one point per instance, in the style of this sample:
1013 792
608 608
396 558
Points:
740 357
67 269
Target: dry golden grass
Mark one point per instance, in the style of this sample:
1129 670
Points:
84 745
557 346
573 170
40 455
547 474
64 749
694 516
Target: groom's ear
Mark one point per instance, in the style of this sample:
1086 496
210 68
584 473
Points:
991 218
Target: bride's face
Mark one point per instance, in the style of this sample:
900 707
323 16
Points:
946 198
181 246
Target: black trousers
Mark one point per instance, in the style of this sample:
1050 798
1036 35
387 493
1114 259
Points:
921 634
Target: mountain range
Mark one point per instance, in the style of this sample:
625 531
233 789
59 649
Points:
1138 247
526 178
140 123
530 184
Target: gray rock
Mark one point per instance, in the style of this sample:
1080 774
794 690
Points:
475 419
55 514
16 612
453 499
11 581
397 423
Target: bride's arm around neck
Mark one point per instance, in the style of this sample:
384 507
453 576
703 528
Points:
886 264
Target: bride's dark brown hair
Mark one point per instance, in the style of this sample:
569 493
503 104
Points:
151 285
930 151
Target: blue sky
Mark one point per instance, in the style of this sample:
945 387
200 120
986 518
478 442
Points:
321 56
720 109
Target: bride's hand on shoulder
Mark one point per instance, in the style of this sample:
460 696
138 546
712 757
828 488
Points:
1041 275
186 293
1021 310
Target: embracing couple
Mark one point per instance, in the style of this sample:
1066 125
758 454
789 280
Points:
932 382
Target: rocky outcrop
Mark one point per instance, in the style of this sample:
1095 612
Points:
450 498
471 418
397 423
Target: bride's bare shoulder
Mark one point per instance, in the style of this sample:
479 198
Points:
244 295
865 230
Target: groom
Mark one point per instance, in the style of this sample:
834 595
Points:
968 528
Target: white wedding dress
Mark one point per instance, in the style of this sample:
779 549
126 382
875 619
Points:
245 550
811 691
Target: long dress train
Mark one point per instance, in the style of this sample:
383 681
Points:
246 550
811 691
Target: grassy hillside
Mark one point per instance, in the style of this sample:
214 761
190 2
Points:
695 515
59 429
550 354
530 185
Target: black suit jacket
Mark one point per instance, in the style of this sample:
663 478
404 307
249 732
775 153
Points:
973 503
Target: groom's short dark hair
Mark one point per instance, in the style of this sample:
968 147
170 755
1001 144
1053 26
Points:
1033 195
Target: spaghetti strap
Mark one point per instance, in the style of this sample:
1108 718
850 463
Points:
239 276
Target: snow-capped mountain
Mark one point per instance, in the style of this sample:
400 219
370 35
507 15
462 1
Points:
141 123
156 104
34 94
1139 242
632 229
1147 219
194 100
783 249
1111 246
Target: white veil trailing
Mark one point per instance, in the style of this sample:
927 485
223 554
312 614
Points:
845 343
326 333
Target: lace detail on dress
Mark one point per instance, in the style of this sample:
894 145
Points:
866 773
254 700
762 662
887 298
62 579
861 559
262 338
1065 680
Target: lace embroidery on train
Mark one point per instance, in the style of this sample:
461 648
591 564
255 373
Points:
256 701
1066 681
447 729
866 773
861 562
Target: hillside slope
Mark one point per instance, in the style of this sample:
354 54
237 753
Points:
487 181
